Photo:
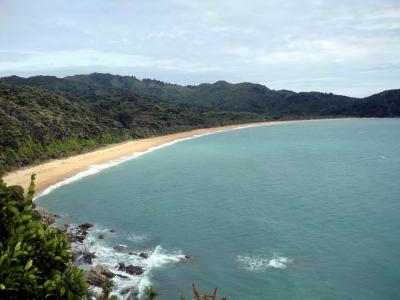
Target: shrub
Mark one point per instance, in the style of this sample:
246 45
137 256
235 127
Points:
35 261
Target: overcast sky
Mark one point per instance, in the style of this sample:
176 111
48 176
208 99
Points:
349 47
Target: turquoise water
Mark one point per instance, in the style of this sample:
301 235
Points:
296 211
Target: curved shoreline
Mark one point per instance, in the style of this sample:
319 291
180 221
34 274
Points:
59 172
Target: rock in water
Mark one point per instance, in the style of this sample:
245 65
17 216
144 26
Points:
85 226
121 267
88 257
130 269
134 270
119 248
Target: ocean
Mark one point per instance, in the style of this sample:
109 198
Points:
303 210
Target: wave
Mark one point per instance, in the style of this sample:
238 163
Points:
107 256
137 238
94 169
259 264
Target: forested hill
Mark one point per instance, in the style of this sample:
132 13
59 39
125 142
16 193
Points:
36 125
221 95
45 117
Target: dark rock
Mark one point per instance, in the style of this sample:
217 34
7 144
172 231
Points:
88 257
121 276
80 238
187 258
75 237
144 254
134 270
85 226
101 236
119 248
132 253
112 230
121 267
130 269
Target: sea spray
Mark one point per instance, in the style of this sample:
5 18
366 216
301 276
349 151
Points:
259 264
107 256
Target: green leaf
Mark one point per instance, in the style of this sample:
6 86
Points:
28 265
18 246
62 291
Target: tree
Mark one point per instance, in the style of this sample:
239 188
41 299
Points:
35 261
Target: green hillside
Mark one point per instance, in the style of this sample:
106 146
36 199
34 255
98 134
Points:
220 96
36 125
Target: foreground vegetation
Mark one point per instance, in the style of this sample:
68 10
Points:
36 261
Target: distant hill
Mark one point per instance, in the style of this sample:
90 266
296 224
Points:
221 96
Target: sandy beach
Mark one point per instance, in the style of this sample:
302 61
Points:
51 172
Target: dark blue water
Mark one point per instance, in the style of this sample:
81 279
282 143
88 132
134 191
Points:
296 211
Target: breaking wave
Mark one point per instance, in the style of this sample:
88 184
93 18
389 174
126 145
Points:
259 264
125 283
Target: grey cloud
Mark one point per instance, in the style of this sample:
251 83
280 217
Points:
348 47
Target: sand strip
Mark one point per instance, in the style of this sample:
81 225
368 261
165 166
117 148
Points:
51 172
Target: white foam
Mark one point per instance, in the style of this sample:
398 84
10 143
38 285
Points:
157 259
107 256
94 169
259 264
137 237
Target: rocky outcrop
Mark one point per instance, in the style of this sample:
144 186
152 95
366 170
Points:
130 269
120 248
85 226
45 215
143 255
88 257
74 237
79 233
98 275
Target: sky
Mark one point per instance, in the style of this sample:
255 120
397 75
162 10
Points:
349 47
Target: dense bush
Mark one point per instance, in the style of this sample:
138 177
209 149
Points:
37 125
35 261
